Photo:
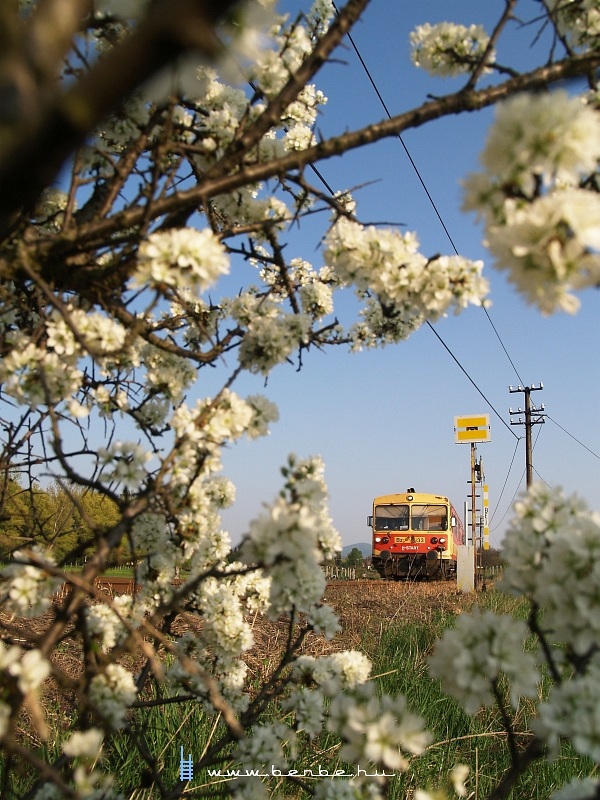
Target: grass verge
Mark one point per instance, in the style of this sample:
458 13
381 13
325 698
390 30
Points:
478 741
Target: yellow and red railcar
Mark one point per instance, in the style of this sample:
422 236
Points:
415 535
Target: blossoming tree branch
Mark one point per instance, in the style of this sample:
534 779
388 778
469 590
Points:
165 144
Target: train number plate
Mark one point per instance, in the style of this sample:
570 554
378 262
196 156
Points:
409 539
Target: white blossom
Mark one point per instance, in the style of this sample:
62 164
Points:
9 655
308 708
409 288
541 225
38 377
103 622
264 747
377 730
60 336
225 630
577 20
49 211
128 349
458 776
181 258
299 137
321 13
84 743
447 49
111 692
274 68
30 588
292 538
552 548
550 246
270 340
316 299
102 334
571 711
324 620
95 785
337 790
540 514
551 135
480 647
347 668
577 789
121 129
31 670
123 463
264 412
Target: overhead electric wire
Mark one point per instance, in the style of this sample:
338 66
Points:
540 477
521 381
572 437
532 467
504 485
502 420
399 137
509 506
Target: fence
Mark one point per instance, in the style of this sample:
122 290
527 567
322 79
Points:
335 573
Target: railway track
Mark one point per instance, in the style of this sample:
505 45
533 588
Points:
114 586
108 584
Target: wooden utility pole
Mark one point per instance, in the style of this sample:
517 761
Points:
533 416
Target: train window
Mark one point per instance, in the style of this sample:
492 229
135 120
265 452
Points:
391 518
429 517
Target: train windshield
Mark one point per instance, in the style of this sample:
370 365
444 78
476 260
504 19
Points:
429 517
391 518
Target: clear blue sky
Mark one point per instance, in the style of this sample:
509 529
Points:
383 420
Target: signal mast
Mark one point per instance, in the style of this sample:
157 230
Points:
470 430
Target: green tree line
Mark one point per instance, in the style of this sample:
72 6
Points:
68 518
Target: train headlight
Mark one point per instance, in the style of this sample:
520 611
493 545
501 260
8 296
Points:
378 538
433 540
442 540
385 539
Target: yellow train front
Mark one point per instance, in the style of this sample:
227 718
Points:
415 535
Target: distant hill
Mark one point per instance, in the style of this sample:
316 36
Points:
364 547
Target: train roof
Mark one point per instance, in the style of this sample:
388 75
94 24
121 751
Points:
416 497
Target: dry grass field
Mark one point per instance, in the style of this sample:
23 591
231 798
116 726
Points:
366 608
